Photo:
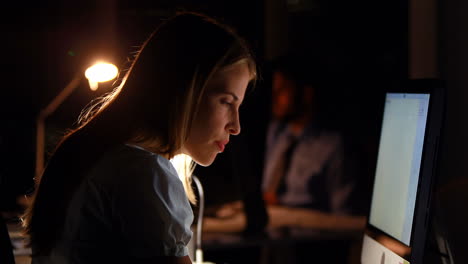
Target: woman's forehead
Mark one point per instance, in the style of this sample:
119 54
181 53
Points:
233 80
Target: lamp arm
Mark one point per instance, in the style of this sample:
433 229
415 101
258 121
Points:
58 100
40 122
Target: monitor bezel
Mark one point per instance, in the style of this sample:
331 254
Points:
422 211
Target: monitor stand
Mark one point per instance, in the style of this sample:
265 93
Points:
374 252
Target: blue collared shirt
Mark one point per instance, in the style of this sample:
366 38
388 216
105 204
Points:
131 208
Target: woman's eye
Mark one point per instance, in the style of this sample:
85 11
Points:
225 102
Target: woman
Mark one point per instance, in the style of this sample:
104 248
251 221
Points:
110 194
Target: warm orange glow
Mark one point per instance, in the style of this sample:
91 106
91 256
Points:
100 72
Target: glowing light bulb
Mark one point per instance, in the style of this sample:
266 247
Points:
100 72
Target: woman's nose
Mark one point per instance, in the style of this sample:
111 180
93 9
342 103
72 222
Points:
234 127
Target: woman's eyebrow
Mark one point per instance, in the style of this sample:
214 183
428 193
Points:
229 93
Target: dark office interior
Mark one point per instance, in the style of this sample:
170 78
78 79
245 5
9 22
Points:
367 46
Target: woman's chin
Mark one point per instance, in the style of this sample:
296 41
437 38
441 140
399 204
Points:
205 162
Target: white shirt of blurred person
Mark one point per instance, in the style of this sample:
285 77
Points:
303 161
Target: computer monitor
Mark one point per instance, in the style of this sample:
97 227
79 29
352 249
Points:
399 215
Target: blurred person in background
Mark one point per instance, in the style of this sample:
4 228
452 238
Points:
309 178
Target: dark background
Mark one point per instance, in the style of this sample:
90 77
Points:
44 45
367 44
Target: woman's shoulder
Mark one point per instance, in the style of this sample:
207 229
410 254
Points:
132 156
129 164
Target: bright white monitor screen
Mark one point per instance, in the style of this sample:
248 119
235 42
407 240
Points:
398 164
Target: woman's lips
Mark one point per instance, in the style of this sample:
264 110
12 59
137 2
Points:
222 145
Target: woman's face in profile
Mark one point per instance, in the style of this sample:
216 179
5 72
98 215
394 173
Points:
218 115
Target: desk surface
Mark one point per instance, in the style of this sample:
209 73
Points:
276 236
286 225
